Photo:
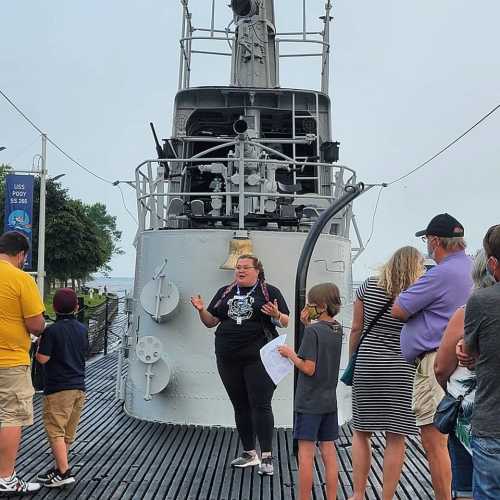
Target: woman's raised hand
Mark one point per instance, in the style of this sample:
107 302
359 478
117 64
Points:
304 316
197 302
271 309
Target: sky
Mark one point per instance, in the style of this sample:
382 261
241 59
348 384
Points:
407 78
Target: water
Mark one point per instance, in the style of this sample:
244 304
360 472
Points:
115 285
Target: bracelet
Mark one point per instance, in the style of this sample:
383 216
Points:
277 322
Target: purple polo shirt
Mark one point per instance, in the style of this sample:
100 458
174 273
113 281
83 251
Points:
431 301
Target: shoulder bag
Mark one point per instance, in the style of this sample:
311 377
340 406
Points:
445 418
348 375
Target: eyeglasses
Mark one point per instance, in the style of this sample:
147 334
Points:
244 268
426 238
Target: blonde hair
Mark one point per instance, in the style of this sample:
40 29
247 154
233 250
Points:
403 268
452 244
326 294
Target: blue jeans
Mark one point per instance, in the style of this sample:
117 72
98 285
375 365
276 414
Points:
486 461
461 468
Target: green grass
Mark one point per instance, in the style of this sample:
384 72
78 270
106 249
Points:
94 301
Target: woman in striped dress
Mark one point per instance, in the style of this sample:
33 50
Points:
383 380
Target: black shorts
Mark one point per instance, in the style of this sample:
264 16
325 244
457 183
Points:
310 427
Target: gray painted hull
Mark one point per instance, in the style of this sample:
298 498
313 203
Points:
186 388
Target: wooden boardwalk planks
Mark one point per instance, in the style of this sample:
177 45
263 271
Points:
118 457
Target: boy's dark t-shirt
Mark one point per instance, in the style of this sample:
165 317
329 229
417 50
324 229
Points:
249 335
66 342
322 343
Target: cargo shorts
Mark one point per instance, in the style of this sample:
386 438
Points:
61 414
16 396
427 393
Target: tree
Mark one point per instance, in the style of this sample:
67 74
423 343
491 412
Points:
80 239
109 234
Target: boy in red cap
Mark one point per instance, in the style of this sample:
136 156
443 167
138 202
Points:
62 350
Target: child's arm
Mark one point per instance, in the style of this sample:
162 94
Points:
306 366
41 358
44 347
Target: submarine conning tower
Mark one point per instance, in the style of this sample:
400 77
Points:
249 168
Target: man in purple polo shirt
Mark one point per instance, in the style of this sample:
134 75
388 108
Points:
426 308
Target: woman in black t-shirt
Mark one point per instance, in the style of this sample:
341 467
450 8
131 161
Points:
246 314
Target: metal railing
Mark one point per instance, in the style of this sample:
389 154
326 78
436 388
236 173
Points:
154 193
189 38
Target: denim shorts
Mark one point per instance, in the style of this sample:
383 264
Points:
310 427
461 468
486 461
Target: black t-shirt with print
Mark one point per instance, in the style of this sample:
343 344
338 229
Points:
246 334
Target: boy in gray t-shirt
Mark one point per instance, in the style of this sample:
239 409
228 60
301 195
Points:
318 360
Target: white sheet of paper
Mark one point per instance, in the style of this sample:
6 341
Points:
275 364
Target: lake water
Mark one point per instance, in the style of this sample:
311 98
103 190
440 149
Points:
115 285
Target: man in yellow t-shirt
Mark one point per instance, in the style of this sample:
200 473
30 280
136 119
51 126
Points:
21 314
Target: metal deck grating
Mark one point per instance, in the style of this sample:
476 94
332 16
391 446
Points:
118 457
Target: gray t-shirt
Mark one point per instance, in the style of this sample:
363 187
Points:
482 336
322 343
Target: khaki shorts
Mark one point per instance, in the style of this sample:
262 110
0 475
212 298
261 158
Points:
61 414
16 397
427 393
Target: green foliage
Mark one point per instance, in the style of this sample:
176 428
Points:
109 234
80 239
89 301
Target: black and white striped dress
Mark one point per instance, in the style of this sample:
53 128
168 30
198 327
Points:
383 380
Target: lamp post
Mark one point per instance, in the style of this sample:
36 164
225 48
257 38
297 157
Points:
40 271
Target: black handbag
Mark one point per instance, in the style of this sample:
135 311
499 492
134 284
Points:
348 375
445 418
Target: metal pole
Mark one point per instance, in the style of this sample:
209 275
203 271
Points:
352 192
304 27
212 27
241 186
106 319
325 70
41 219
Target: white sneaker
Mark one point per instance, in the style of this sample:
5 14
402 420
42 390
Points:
266 467
16 486
246 460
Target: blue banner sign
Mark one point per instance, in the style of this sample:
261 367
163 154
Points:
19 206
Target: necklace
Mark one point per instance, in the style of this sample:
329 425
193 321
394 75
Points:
238 293
240 306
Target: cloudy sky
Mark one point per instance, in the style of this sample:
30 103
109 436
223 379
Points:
407 78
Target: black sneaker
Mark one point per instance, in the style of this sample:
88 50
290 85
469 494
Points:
43 478
58 479
15 486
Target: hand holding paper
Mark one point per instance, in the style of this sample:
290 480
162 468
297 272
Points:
275 364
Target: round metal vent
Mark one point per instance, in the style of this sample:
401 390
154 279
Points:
160 298
149 349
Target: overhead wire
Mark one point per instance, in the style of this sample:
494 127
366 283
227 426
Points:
37 128
421 165
374 216
448 146
64 153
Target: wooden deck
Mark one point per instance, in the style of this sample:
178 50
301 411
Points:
118 457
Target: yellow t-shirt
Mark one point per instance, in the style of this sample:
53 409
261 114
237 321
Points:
19 299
